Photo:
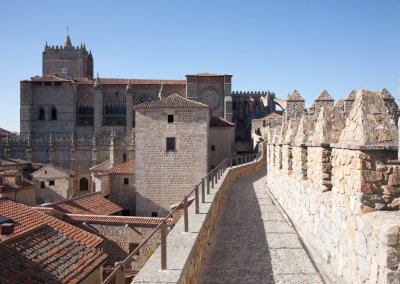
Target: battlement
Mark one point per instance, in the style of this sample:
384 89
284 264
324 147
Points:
251 93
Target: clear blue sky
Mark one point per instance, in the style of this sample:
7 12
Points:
267 45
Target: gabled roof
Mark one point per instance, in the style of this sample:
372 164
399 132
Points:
48 78
172 101
271 116
63 172
26 219
46 255
91 204
216 121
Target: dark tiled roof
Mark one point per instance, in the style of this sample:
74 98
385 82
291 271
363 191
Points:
48 78
242 146
26 219
4 132
137 220
91 204
172 101
216 121
46 255
120 81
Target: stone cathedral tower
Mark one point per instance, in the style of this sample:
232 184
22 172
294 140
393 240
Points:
68 60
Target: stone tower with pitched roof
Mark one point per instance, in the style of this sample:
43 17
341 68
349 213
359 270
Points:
66 59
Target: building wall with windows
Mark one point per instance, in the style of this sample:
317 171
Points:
164 175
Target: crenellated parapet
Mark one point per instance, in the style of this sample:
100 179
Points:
338 179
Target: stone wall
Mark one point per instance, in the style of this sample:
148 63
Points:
343 192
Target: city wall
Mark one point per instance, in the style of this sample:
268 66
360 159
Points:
337 176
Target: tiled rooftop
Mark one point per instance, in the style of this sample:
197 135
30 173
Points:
135 220
124 168
172 101
272 116
11 162
46 255
120 81
216 121
48 78
26 219
91 204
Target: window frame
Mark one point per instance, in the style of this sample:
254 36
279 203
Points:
170 144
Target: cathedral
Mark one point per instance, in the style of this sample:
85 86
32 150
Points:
71 118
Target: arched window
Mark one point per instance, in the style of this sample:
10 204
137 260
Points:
84 184
53 114
41 114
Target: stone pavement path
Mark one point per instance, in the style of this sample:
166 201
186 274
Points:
253 243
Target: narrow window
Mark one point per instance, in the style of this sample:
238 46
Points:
83 184
213 148
170 118
42 184
170 143
126 180
41 114
53 114
51 182
124 157
154 214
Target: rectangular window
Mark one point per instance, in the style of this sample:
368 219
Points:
42 184
170 143
126 180
213 148
154 214
170 118
51 182
47 83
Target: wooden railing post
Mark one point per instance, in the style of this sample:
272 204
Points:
196 199
203 192
185 214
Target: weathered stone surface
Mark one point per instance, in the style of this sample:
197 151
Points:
387 235
395 203
370 176
387 256
394 179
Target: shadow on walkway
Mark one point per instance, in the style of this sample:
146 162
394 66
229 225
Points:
252 242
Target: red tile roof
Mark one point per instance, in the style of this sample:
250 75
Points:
46 255
48 78
91 204
272 116
26 218
105 167
172 101
120 81
135 220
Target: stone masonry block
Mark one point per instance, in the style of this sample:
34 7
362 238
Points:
371 176
387 235
387 256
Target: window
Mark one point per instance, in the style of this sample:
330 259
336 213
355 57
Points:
170 143
47 83
212 167
84 184
53 114
132 247
51 182
42 184
213 148
124 157
126 180
170 118
154 214
57 84
41 114
64 70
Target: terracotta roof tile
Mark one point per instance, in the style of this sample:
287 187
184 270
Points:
102 167
172 101
128 167
92 203
46 255
48 78
136 220
272 116
121 81
216 121
26 218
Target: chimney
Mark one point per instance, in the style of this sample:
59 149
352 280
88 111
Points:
6 230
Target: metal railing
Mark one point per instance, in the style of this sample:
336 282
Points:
205 184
